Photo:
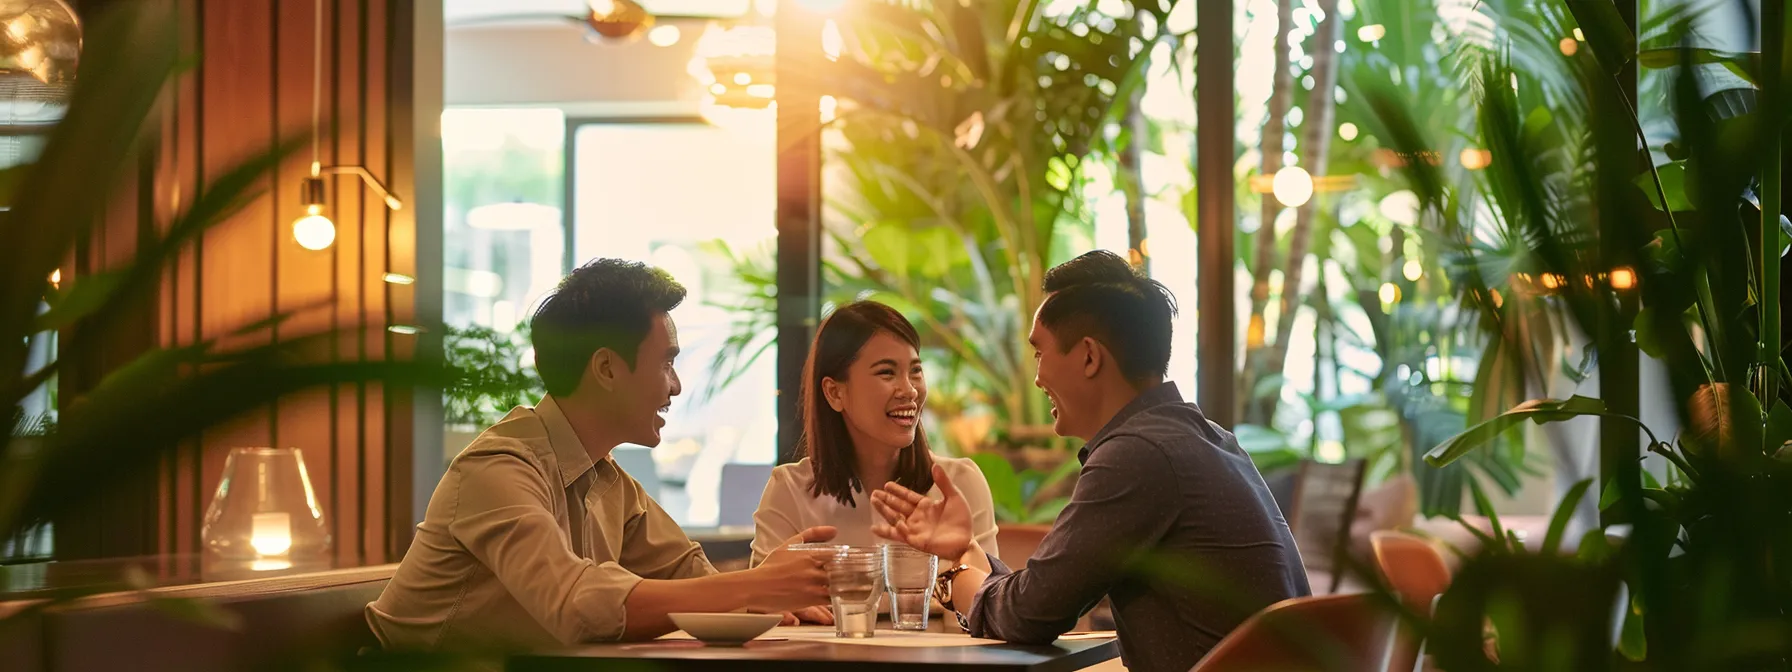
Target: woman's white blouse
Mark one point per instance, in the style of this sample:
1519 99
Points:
787 508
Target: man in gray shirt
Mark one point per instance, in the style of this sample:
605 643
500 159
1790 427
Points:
1169 517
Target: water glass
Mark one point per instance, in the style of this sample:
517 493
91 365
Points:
855 582
908 574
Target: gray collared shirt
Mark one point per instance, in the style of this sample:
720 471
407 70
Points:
1169 519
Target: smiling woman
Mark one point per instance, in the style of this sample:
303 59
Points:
863 392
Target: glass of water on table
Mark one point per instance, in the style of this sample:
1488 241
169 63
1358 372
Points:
908 574
855 582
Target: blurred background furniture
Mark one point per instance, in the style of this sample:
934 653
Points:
1341 633
742 486
1415 569
1323 505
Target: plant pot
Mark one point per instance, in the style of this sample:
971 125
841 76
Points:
1017 541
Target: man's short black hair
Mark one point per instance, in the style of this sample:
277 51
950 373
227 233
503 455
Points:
1098 295
607 303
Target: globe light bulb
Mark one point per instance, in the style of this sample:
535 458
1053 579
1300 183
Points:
314 232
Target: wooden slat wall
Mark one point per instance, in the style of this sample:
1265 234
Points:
254 85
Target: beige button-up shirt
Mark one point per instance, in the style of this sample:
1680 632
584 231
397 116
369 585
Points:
527 543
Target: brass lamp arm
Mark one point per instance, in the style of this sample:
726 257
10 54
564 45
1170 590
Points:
372 182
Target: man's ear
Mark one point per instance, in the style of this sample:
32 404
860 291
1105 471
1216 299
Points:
604 368
1093 357
833 393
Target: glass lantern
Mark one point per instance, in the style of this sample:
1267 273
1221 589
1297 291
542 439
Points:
264 517
40 45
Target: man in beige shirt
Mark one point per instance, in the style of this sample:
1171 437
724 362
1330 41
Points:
536 538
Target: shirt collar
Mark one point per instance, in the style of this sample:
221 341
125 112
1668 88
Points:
1164 393
568 451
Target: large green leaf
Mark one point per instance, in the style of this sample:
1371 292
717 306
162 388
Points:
82 298
1047 512
1673 182
1633 641
1779 424
1004 485
1726 420
1558 523
890 247
1612 41
1536 410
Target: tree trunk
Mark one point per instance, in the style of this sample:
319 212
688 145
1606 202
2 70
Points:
1281 97
1132 182
1321 106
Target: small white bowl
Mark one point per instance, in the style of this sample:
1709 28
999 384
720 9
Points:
731 629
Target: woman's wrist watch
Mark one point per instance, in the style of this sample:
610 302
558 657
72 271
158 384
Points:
942 586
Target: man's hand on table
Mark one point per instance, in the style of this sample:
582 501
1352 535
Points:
792 580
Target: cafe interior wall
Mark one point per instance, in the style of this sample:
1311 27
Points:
549 64
253 83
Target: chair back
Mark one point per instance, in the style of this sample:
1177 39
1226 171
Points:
1335 633
1416 570
742 486
638 463
1324 505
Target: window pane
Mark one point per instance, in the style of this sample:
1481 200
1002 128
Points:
692 198
502 250
504 237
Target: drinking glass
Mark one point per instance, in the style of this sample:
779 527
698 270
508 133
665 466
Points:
855 580
908 573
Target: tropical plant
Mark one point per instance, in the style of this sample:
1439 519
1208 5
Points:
955 180
1024 495
1396 354
121 427
1705 557
491 377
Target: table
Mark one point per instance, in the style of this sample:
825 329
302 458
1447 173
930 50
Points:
814 648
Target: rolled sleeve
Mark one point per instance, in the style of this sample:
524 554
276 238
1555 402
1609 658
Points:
1115 510
504 517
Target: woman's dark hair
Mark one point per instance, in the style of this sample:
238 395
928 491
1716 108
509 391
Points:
608 303
825 438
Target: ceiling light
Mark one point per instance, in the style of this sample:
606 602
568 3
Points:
664 35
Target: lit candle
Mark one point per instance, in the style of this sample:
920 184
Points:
271 533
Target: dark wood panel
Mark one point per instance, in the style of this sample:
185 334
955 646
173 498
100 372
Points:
347 134
303 277
236 268
402 256
376 223
254 85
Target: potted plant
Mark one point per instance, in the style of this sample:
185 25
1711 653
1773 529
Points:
954 179
1700 576
494 373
